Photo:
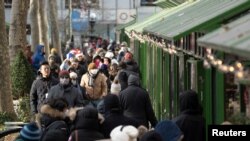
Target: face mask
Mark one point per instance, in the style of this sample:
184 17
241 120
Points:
73 82
64 81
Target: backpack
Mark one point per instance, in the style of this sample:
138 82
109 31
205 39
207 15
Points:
56 125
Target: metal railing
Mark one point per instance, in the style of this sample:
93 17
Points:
11 127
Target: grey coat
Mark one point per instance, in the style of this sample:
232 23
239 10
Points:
69 93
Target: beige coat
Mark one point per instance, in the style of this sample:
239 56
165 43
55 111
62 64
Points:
100 86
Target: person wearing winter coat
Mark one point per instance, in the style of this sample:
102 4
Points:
40 87
123 50
30 132
78 69
151 136
131 65
53 118
95 84
28 53
124 133
54 52
190 121
123 75
54 67
86 125
169 131
82 60
113 115
135 103
66 90
38 57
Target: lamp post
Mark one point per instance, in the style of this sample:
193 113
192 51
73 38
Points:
92 21
89 2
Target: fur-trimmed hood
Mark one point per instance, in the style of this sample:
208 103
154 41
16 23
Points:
48 115
54 113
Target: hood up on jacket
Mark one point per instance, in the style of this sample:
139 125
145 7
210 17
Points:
87 118
39 49
111 104
48 114
52 112
133 80
189 102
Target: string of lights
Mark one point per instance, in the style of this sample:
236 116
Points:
210 60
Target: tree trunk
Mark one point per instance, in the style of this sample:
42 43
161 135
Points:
6 104
34 5
56 42
17 32
43 27
69 20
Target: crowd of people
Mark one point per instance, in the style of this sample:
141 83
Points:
95 94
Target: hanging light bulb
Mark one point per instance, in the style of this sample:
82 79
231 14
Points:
239 74
206 64
225 68
209 50
219 62
238 65
231 69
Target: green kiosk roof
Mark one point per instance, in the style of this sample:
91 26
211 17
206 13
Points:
120 27
167 3
195 17
138 27
233 38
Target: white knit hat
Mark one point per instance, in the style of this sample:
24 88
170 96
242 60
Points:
115 88
114 61
109 54
72 75
124 133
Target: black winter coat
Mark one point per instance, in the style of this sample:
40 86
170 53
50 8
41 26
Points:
86 125
132 66
113 115
39 89
190 121
135 103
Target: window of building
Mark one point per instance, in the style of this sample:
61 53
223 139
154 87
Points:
148 2
75 4
82 4
7 3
